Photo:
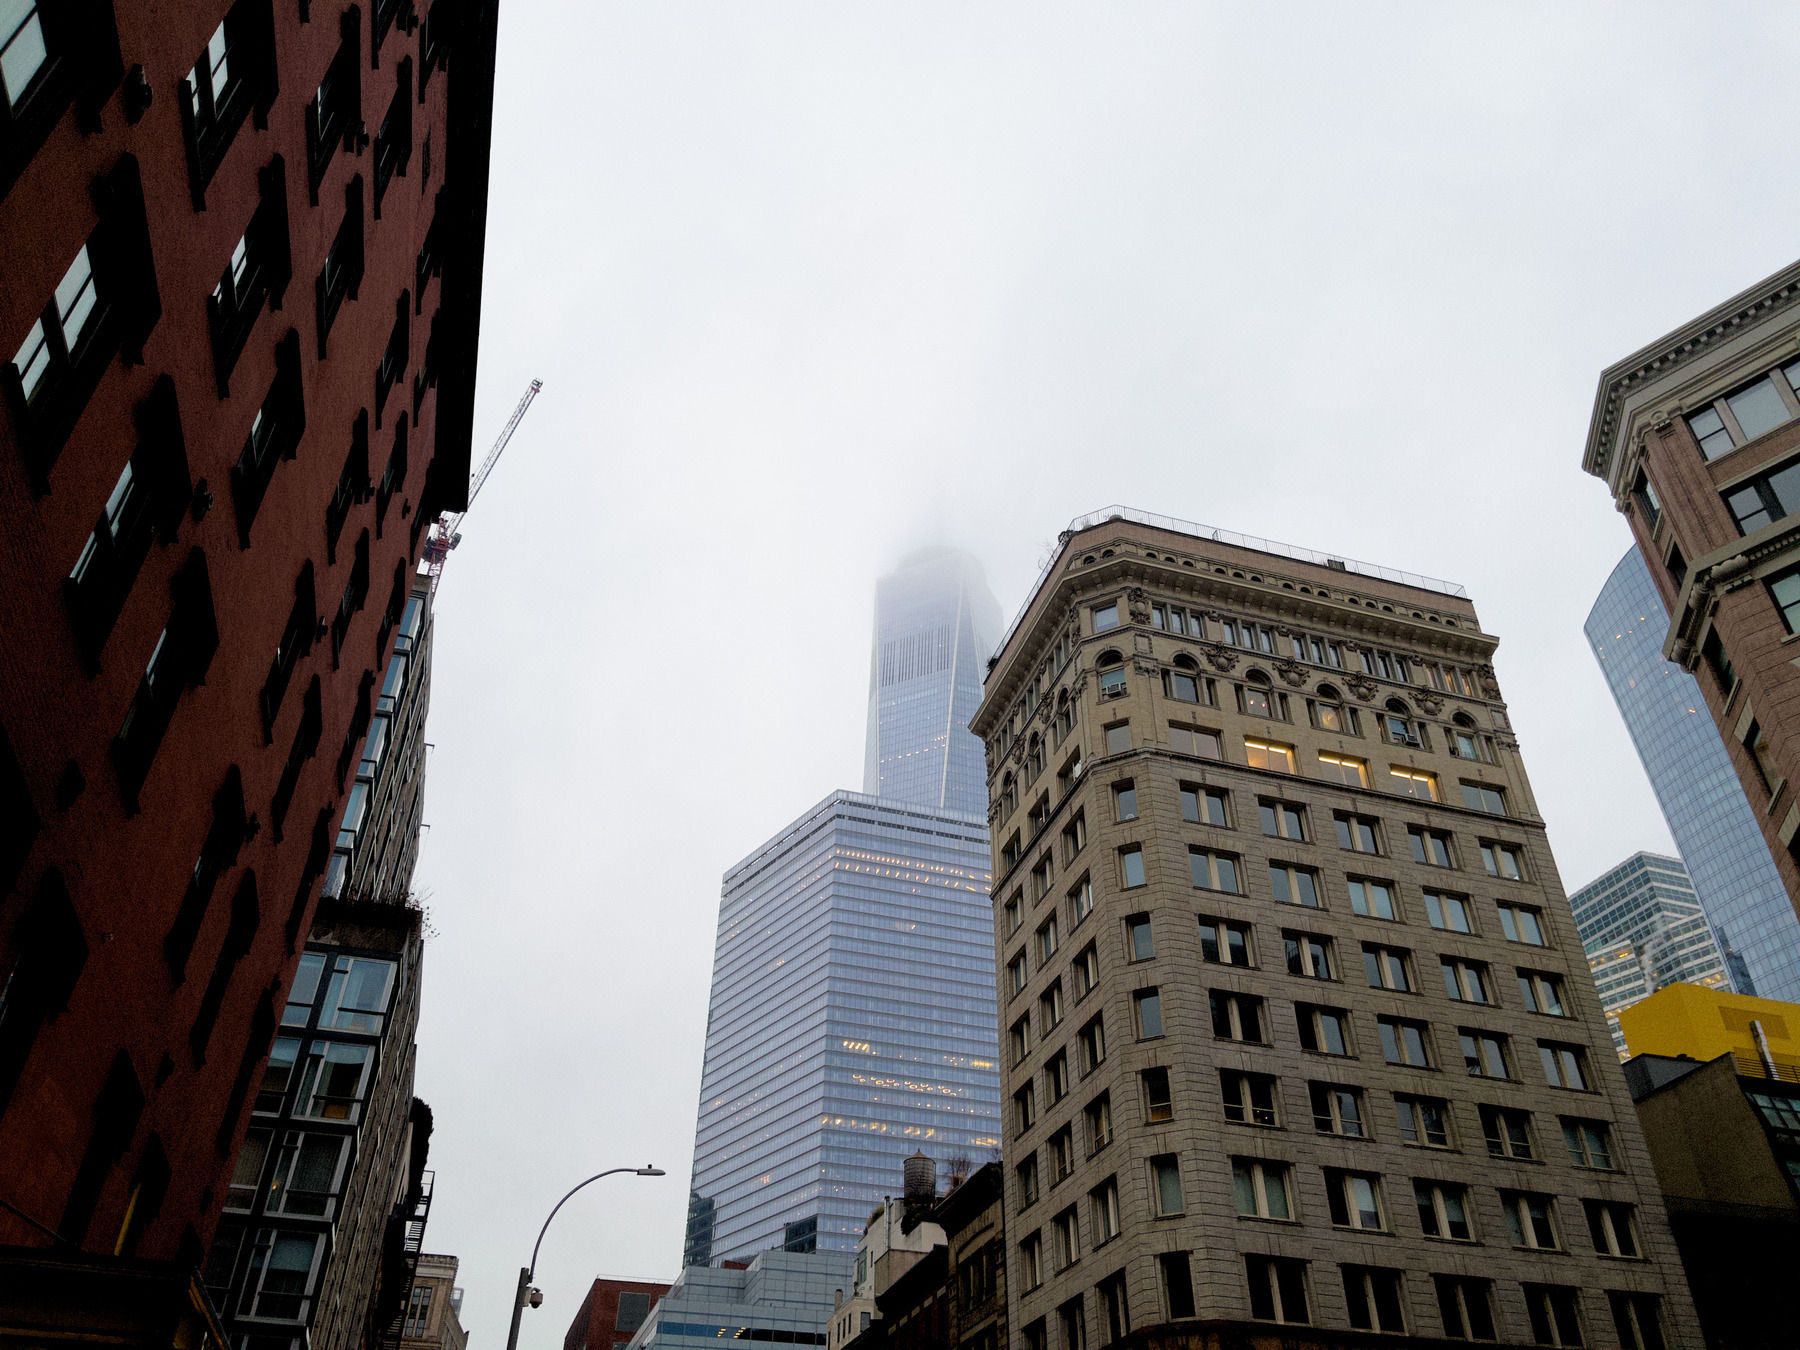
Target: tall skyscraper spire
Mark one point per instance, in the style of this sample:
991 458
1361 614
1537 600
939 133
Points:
852 1019
935 626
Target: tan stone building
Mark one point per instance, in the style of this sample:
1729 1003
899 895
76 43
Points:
1296 1023
434 1308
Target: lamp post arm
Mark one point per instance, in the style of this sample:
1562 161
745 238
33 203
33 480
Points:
531 1270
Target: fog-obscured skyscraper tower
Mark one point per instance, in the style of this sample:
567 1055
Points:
935 625
1702 799
852 1018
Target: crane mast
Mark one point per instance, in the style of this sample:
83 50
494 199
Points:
445 531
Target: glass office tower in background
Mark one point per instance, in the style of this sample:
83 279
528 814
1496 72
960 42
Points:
853 1014
1698 789
935 627
1642 927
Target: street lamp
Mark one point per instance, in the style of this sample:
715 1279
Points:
526 1292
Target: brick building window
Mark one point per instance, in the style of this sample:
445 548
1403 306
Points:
398 352
334 113
341 276
296 642
150 497
105 302
257 272
274 436
235 75
352 485
1785 591
393 477
394 139
1747 412
178 661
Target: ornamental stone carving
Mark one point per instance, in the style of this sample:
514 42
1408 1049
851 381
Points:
1431 704
1490 687
1138 605
1292 672
1362 686
1220 658
1145 665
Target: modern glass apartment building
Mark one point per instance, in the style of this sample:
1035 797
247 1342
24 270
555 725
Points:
1642 927
1699 791
935 626
852 1022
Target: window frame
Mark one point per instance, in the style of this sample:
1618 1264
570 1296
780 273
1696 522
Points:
1213 858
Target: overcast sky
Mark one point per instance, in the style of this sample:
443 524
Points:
810 285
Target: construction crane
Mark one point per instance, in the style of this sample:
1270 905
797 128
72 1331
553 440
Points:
446 530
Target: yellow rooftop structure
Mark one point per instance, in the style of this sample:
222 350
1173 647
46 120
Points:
1702 1023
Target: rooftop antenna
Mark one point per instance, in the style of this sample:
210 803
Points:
445 532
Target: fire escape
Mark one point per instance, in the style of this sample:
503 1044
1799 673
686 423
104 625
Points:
401 1245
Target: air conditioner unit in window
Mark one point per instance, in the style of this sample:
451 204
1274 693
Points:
1414 742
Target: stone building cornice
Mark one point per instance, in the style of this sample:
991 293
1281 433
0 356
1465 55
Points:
1610 428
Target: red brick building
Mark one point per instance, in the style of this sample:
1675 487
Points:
1698 437
243 272
611 1313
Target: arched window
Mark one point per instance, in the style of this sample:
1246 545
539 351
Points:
1065 715
1398 726
1009 796
1186 662
1330 714
1257 698
1462 719
1034 758
1112 672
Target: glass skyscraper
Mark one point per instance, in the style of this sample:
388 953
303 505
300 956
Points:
1642 927
1704 804
935 627
853 1013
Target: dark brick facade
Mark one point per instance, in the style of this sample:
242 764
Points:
167 794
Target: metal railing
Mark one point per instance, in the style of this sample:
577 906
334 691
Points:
1249 541
1752 1066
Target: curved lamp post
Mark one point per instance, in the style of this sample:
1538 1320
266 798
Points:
526 1272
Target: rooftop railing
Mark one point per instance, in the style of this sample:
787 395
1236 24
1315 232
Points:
1232 537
